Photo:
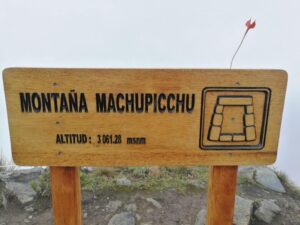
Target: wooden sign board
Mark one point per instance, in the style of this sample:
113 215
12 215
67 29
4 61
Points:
131 117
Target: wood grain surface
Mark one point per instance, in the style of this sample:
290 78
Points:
66 195
235 118
221 195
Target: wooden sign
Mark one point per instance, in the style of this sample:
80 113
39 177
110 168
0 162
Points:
130 117
67 118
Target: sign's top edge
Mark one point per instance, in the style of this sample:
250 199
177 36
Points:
12 69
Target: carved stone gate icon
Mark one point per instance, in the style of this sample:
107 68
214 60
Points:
234 118
247 122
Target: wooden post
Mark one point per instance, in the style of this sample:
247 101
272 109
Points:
221 195
66 195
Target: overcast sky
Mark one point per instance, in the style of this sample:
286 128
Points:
169 33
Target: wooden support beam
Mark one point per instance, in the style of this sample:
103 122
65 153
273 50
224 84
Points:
66 195
221 195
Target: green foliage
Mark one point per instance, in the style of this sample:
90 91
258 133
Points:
178 171
34 185
160 183
139 172
104 172
105 180
102 180
244 180
42 185
97 182
200 173
85 180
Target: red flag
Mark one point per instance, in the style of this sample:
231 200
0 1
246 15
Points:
250 25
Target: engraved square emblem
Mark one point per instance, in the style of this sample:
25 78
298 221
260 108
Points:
234 118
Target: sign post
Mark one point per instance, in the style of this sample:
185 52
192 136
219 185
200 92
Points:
67 118
66 195
221 195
